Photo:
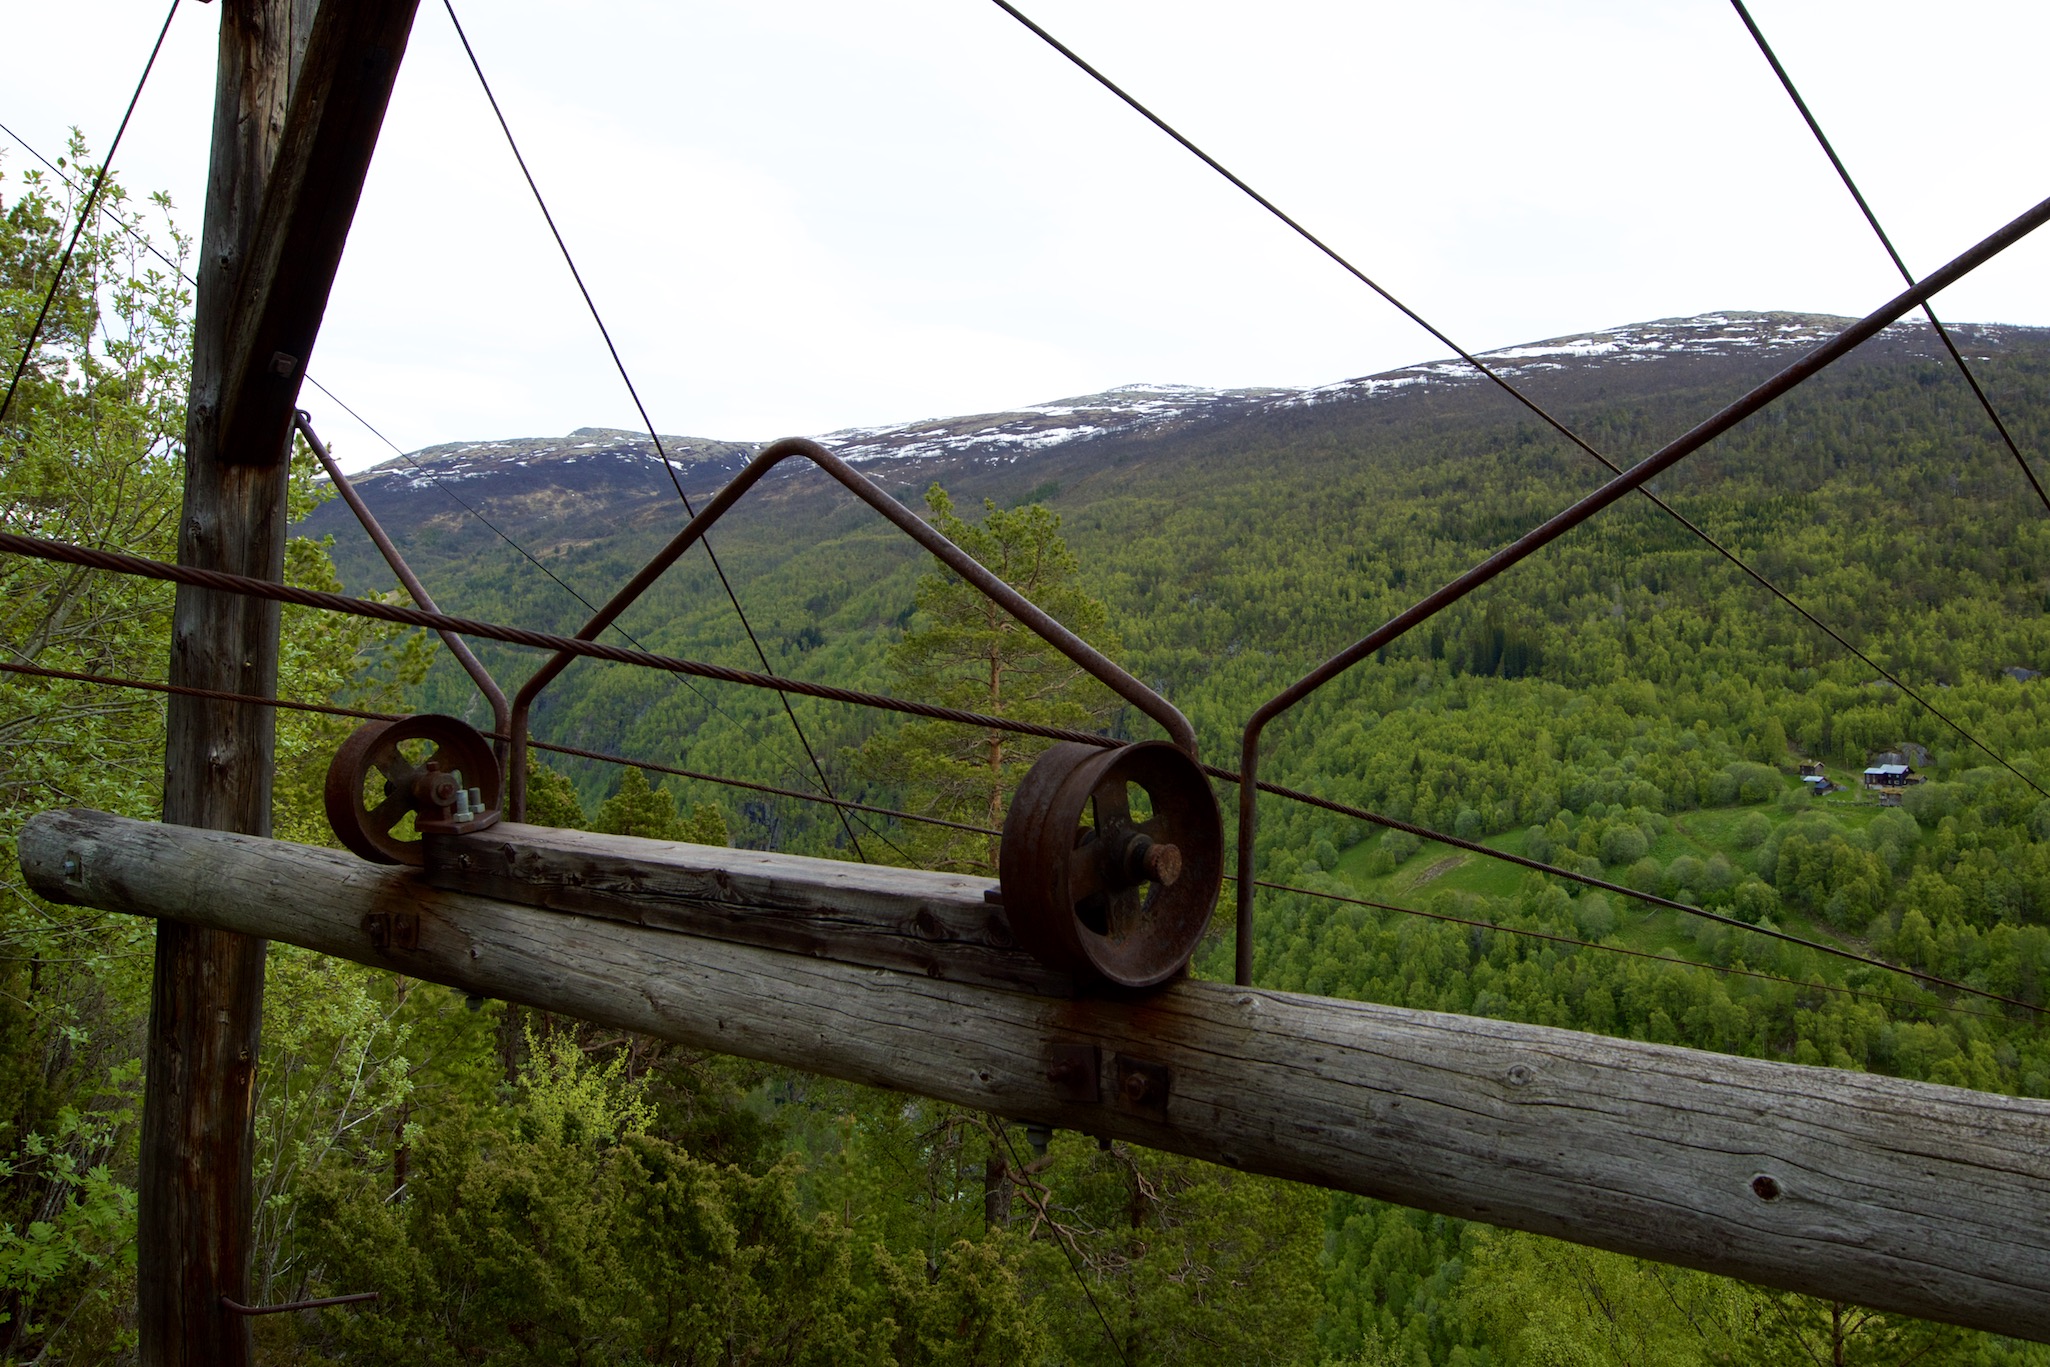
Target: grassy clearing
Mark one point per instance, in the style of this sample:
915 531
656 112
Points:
1703 834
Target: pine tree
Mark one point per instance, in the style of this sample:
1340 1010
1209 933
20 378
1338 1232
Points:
639 809
552 799
962 650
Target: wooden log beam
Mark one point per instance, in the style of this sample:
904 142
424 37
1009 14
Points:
206 993
345 79
300 91
938 926
1906 1196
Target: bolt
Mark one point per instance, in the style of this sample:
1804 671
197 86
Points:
1164 864
1135 1088
1067 1070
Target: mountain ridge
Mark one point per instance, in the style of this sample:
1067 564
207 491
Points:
609 489
1151 409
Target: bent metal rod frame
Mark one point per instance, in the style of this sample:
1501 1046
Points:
1091 660
457 646
117 562
1564 521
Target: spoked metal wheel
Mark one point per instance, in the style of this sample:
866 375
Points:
436 770
1112 860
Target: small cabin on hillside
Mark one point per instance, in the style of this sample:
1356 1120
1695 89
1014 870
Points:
1811 768
1818 783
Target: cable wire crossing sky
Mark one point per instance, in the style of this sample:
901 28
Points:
809 216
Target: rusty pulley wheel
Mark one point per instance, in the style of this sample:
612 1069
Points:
1112 860
435 769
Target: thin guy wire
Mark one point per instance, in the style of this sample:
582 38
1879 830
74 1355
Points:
85 212
1508 388
431 477
1627 951
436 481
360 714
120 563
123 224
1602 884
646 421
221 695
1929 310
13 543
1073 1266
710 702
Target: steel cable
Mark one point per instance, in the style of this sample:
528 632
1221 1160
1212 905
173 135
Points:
578 752
119 563
633 393
1928 310
1629 952
219 695
710 702
439 485
1603 885
85 212
313 598
1472 581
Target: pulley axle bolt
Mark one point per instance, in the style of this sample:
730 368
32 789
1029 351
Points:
1148 859
1164 864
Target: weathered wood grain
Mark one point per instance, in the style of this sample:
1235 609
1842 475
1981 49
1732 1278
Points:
933 924
346 71
1929 1200
300 92
206 993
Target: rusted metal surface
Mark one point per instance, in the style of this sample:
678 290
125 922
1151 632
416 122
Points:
373 786
576 751
457 646
1091 660
92 557
1093 887
1074 1072
1143 1086
1566 520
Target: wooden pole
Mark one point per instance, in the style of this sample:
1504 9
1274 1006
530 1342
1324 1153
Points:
206 997
287 168
1905 1196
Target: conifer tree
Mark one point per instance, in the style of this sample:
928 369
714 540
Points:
962 650
639 809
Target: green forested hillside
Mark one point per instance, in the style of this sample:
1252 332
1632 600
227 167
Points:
523 1190
1627 703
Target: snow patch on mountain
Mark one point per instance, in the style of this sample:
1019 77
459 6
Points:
1128 408
1158 409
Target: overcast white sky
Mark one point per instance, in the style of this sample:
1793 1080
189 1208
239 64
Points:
806 215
